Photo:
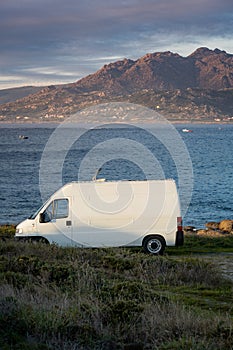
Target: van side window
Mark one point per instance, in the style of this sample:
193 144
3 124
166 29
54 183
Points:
58 209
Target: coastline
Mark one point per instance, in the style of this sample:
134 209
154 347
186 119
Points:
55 124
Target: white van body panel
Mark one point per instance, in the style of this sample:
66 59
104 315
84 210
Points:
107 214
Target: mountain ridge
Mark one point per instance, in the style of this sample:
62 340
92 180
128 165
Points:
199 83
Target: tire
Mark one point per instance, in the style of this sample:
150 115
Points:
36 240
41 240
154 245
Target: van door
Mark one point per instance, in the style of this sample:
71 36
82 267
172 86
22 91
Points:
55 221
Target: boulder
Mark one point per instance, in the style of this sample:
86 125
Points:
209 233
212 225
226 225
189 228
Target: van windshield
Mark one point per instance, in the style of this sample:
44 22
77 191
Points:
33 216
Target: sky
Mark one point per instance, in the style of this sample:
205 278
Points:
44 42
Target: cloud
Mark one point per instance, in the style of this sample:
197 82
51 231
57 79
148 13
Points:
55 21
80 36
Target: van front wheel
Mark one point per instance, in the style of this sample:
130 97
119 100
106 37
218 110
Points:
154 245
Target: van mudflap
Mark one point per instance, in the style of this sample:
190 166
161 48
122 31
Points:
179 238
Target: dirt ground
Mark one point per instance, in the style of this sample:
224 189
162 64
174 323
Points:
223 260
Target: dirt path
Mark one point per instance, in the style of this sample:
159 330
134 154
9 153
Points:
223 260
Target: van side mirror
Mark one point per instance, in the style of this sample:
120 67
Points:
41 217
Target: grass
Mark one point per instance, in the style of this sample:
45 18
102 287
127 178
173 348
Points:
67 298
204 244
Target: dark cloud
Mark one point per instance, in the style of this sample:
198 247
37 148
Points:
52 40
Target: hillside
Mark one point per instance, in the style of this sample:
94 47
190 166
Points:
10 95
197 87
203 69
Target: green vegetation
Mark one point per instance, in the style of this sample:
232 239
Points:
204 244
67 298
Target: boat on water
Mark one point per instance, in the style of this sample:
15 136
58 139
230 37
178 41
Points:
187 130
23 137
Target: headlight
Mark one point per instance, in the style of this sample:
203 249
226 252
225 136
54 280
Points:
19 231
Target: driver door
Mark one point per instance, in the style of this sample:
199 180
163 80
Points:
56 220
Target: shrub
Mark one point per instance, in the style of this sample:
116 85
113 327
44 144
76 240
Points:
95 299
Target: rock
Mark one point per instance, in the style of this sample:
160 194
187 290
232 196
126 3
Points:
189 228
212 225
201 232
226 226
209 233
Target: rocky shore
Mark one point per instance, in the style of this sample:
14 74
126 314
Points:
212 228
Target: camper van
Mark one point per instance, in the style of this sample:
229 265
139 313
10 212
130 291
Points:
103 213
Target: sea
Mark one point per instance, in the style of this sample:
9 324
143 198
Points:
37 159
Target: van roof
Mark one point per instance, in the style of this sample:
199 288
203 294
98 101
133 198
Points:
123 180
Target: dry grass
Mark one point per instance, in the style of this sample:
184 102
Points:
76 299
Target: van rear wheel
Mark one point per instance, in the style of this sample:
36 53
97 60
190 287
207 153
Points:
154 245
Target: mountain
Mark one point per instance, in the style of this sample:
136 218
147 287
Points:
199 87
203 69
10 95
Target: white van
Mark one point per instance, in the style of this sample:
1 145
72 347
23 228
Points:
109 214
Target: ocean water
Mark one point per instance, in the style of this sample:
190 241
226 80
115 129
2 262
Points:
201 163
